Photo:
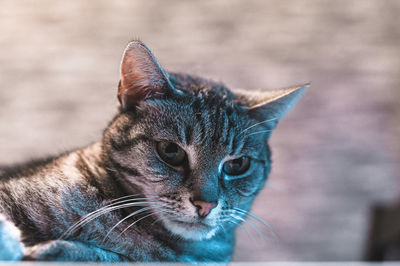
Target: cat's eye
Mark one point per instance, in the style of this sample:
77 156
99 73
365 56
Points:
171 153
236 166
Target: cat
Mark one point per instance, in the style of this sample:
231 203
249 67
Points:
175 173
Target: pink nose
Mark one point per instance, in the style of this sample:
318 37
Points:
204 208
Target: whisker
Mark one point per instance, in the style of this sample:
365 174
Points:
90 217
252 225
256 124
133 195
135 223
87 218
167 211
155 221
258 132
222 228
267 225
160 211
102 209
127 217
239 225
121 201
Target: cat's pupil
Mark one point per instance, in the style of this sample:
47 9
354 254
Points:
171 153
171 150
237 163
237 166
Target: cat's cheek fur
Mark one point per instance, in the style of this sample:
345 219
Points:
189 232
11 247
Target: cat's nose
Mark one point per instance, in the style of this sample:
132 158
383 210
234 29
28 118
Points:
203 207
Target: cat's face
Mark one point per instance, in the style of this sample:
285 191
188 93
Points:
197 151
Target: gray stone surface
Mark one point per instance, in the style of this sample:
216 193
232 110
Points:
336 153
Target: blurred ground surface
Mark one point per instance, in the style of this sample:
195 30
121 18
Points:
334 155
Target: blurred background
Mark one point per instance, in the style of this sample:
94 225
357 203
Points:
335 155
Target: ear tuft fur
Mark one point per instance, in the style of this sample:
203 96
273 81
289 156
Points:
270 105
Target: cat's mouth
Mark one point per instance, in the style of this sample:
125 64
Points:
196 225
195 230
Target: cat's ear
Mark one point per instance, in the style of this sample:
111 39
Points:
270 106
141 76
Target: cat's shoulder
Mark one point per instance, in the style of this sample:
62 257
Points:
26 168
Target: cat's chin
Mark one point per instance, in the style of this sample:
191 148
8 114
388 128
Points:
190 231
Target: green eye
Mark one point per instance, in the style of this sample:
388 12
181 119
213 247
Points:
171 153
236 166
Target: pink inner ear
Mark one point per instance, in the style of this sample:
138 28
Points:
141 75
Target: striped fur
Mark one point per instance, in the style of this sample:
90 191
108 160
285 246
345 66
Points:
46 199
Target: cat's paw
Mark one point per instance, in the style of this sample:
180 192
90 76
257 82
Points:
62 250
50 251
11 247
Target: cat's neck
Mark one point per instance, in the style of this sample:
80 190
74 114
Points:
92 164
218 248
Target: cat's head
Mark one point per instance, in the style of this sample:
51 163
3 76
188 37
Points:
197 150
